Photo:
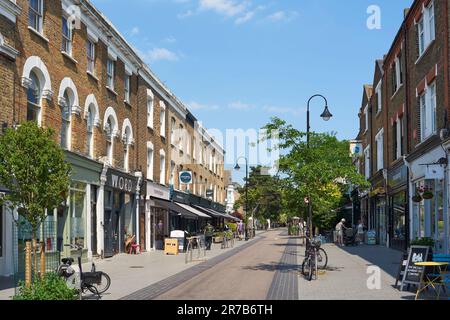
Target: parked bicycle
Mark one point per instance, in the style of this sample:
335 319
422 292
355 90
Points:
97 282
315 258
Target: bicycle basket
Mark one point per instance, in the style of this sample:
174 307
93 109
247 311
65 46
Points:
92 277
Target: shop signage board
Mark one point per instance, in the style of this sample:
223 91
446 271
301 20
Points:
157 191
185 177
372 237
209 193
121 181
413 274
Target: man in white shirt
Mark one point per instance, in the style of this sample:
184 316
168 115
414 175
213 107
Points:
340 227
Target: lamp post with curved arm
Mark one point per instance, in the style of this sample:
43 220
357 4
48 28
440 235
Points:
237 168
326 116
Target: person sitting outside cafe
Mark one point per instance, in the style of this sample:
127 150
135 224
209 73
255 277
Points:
209 232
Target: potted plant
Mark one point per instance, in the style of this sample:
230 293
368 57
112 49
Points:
428 194
417 198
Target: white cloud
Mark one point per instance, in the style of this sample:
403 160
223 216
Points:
160 54
135 31
186 14
228 8
199 106
170 40
284 110
247 17
238 105
282 16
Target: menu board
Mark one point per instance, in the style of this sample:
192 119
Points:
414 274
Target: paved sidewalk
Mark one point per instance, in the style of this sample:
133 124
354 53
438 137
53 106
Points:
346 277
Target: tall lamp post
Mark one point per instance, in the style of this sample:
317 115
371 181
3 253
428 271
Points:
237 168
326 116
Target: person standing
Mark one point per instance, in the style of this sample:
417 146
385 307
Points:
340 227
209 232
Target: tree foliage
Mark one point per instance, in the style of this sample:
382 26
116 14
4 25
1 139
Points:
322 172
33 169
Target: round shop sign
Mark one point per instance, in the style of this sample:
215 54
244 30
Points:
186 177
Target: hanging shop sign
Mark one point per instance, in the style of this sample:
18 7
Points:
434 172
185 177
356 149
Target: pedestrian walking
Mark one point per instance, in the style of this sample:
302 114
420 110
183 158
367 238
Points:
340 227
209 232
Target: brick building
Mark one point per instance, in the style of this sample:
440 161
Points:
412 132
65 66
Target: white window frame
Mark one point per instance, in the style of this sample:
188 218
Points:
398 137
38 17
90 125
127 87
366 116
426 28
379 138
162 119
150 161
398 71
90 48
180 137
150 108
110 71
428 112
162 167
367 162
379 98
173 124
67 39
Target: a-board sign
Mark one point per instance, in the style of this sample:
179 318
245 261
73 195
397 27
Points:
413 274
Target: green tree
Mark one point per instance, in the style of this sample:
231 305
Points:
33 169
322 171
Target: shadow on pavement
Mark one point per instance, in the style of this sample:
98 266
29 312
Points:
274 266
386 259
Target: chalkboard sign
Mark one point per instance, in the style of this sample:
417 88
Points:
414 274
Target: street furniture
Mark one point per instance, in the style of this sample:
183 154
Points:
171 246
433 280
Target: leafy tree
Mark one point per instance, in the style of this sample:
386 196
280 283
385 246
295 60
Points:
322 171
33 169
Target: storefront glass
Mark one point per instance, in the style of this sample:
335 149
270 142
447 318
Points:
129 216
398 207
160 226
381 221
78 214
429 214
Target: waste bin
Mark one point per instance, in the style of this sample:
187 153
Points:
181 237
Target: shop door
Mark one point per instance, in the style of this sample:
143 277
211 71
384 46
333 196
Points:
108 229
94 226
63 232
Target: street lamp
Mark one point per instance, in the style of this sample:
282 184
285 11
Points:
237 168
326 116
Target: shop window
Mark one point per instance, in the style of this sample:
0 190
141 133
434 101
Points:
78 214
129 227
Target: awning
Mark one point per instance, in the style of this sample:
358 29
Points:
227 216
173 207
192 210
210 212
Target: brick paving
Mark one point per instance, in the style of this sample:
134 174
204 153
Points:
285 285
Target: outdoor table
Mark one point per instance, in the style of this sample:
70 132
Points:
432 280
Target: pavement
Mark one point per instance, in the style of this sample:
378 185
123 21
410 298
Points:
264 268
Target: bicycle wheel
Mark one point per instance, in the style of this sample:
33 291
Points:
310 269
322 259
315 269
307 268
102 287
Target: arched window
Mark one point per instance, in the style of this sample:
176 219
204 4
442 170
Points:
90 118
66 109
109 129
33 99
126 143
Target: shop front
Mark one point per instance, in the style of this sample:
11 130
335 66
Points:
428 199
75 221
398 208
120 205
6 237
378 203
157 215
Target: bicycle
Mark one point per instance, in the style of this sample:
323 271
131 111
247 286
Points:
192 244
315 259
97 282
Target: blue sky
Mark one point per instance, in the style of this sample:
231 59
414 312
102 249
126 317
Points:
237 63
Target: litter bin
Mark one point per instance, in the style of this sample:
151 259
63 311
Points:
180 236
